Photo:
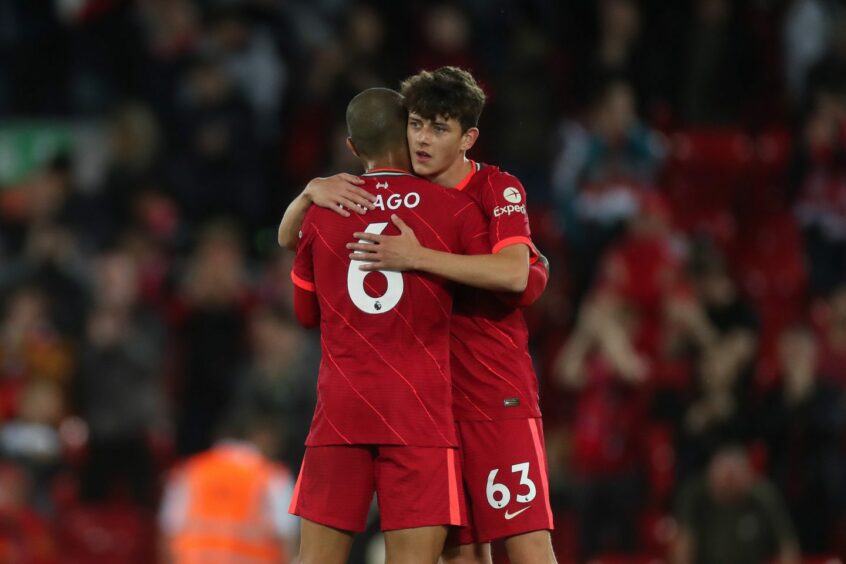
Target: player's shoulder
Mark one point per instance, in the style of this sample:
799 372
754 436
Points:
498 187
496 176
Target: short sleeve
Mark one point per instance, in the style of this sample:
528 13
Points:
504 202
473 230
302 273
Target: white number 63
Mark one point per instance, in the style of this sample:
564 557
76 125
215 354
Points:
499 495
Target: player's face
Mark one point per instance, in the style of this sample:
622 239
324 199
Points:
435 144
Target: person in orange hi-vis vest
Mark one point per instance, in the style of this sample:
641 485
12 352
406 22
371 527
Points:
230 504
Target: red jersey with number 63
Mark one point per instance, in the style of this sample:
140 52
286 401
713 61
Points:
493 376
385 373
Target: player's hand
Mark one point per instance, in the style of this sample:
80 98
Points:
387 252
340 193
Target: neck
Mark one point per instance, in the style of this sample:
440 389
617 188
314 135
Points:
453 175
396 160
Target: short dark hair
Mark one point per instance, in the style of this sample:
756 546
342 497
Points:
376 121
449 92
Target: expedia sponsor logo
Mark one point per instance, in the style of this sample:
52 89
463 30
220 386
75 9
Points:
512 195
508 210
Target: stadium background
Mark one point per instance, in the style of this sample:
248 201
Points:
686 170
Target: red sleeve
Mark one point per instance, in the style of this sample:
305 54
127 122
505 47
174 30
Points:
306 307
536 284
504 201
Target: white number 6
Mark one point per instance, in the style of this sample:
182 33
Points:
355 283
493 489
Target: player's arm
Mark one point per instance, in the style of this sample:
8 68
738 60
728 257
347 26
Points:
306 306
504 271
538 278
339 193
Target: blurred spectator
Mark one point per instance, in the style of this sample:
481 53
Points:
30 347
100 77
49 199
613 358
716 67
717 402
246 51
806 35
606 441
719 410
521 108
32 440
828 75
230 503
803 422
215 169
120 380
352 61
728 311
135 147
729 515
819 185
217 301
171 34
640 294
831 320
26 538
602 166
278 382
358 57
446 40
621 49
34 62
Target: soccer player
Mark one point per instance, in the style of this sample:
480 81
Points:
496 403
383 421
495 387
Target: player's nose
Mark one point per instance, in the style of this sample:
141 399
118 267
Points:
422 136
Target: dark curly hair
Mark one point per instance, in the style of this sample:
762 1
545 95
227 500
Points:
449 92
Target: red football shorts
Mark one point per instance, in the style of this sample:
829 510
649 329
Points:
505 475
415 486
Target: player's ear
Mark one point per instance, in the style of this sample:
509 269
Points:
351 147
468 138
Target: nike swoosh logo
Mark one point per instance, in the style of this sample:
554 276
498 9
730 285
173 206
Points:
509 516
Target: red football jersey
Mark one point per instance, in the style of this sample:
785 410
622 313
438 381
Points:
493 376
385 375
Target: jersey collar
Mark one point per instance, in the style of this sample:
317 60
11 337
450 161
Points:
466 180
387 172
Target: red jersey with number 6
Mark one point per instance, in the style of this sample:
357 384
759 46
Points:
385 373
493 376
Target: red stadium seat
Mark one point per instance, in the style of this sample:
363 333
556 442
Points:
105 535
771 270
705 172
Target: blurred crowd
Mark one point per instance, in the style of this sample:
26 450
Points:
686 170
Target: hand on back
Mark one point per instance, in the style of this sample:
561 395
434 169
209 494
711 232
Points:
340 193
